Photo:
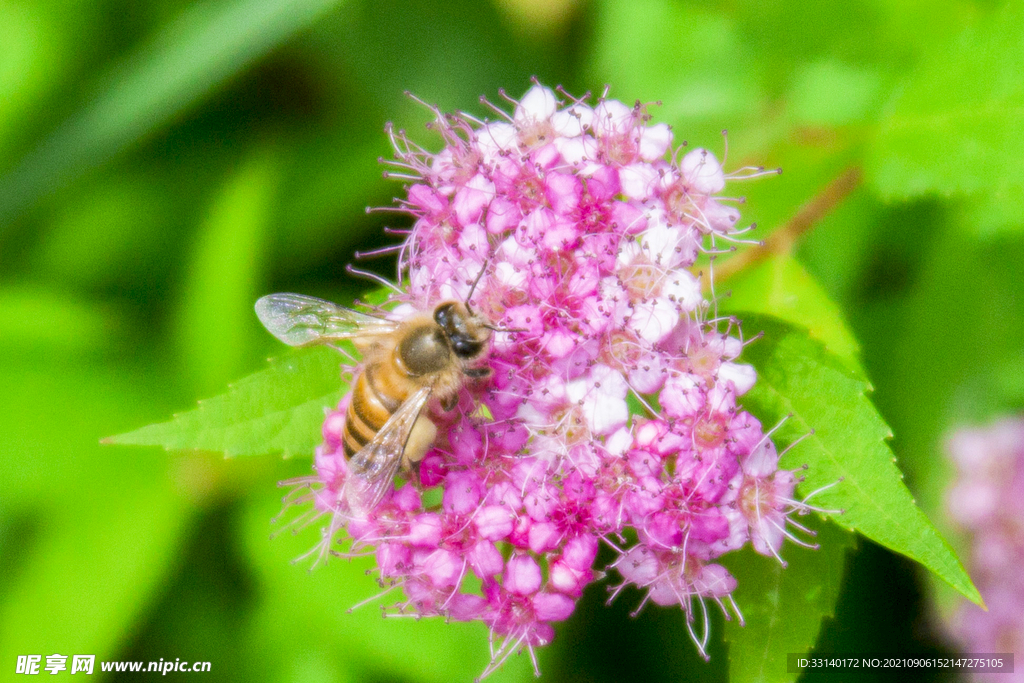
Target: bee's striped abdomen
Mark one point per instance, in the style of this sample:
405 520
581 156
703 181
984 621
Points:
373 402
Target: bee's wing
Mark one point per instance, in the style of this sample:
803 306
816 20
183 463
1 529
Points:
298 320
372 470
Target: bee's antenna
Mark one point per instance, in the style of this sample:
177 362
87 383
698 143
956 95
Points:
505 329
472 288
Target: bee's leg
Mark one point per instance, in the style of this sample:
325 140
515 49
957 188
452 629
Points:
410 472
448 403
477 373
421 438
343 351
412 475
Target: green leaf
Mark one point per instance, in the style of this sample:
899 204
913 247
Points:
956 126
941 352
216 328
41 45
97 562
832 93
783 606
40 319
208 44
839 249
779 286
814 175
278 409
694 60
996 213
44 459
97 239
94 533
331 183
846 450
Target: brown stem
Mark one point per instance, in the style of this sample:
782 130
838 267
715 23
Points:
781 241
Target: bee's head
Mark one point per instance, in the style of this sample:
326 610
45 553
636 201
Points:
467 333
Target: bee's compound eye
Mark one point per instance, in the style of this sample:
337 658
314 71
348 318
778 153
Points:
466 348
443 314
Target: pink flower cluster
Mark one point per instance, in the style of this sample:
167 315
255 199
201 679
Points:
987 501
611 418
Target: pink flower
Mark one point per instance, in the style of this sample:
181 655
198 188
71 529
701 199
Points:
987 502
579 226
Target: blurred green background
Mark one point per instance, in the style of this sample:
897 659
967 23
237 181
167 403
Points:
163 164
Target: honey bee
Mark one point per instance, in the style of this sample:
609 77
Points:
405 364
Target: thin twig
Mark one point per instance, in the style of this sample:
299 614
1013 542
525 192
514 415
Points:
782 240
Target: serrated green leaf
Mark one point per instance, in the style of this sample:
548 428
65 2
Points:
798 377
783 606
779 286
956 126
280 409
